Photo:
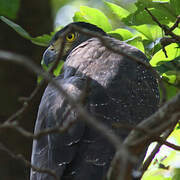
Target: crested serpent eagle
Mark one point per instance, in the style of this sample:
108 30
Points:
119 91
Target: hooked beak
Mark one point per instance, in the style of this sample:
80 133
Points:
49 55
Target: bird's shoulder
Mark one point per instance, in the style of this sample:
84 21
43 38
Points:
54 105
96 59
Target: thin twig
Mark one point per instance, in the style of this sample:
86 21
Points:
175 25
82 113
121 149
27 102
27 163
167 30
163 115
157 148
150 133
105 41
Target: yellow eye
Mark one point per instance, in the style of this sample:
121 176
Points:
70 37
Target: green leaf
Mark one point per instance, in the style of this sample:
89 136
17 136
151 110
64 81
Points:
163 11
16 27
166 156
169 71
171 76
178 126
128 37
176 175
155 176
165 66
163 1
172 50
176 5
141 4
40 40
176 30
56 72
171 91
151 32
142 17
121 34
9 8
137 42
117 10
93 16
79 17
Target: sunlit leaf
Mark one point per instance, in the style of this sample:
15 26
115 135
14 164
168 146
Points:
171 76
42 40
56 72
79 17
151 32
137 42
173 51
117 10
166 68
121 34
166 1
128 37
167 157
93 16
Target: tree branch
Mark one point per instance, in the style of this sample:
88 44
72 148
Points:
83 114
27 163
166 116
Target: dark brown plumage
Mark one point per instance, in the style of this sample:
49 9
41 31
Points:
120 90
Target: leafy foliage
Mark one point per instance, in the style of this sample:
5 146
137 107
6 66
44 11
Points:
142 32
40 40
94 16
117 10
164 164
